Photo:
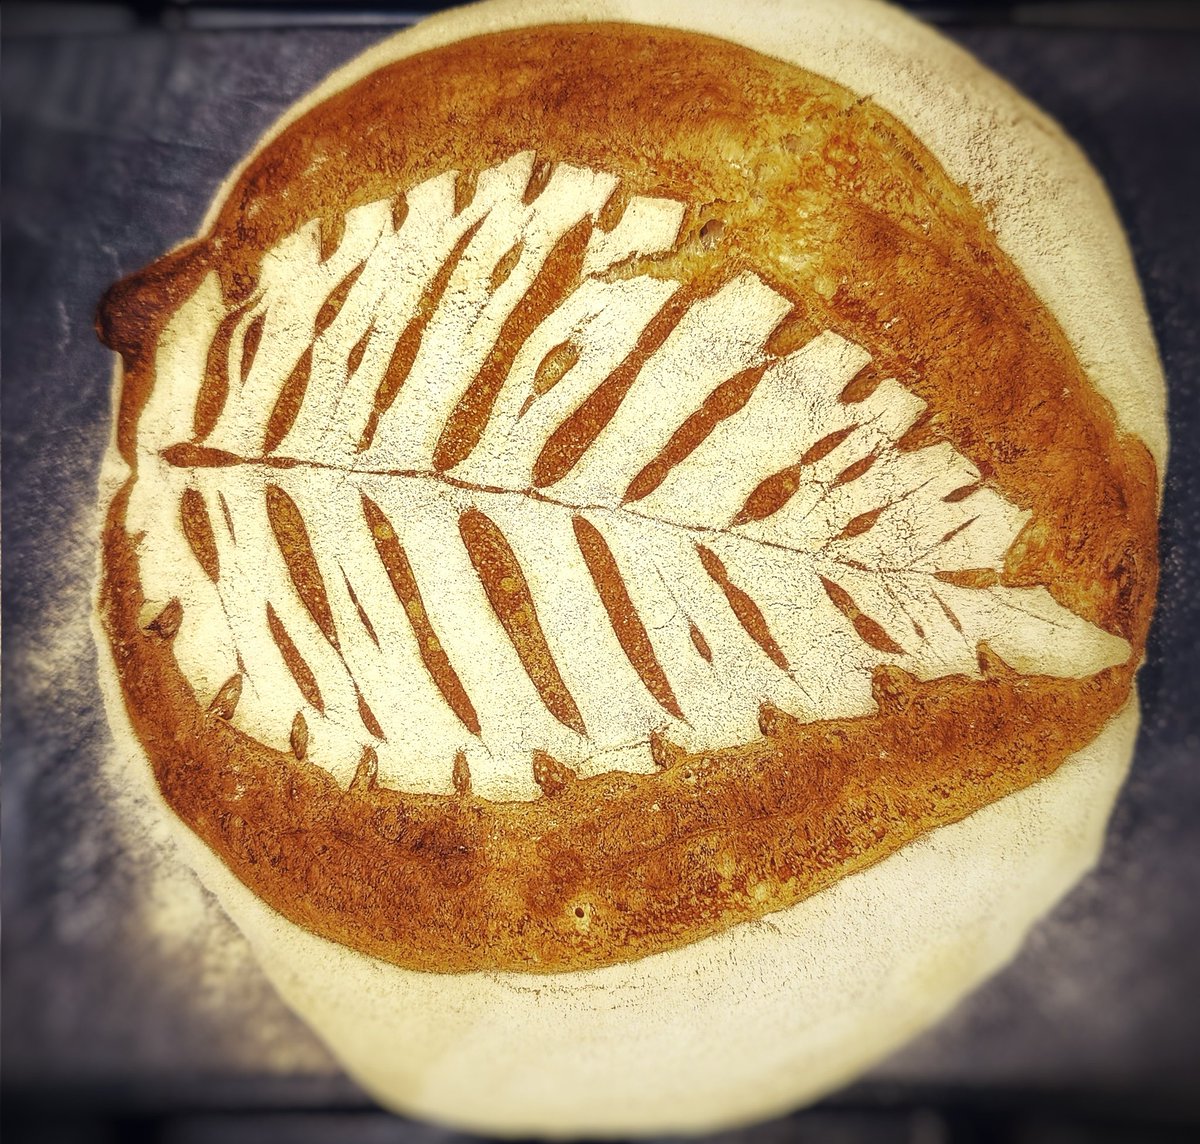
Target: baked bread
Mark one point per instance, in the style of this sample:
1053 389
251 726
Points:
597 481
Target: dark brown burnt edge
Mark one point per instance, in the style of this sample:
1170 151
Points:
456 883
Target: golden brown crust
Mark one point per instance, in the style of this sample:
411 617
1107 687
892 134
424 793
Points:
896 259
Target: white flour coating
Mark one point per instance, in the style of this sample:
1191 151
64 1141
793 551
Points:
177 931
766 1015
784 562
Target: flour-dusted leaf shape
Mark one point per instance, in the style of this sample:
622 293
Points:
517 564
479 497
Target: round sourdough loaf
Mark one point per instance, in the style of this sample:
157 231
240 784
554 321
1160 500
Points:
628 538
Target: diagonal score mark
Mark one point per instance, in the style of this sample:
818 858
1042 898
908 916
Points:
333 304
291 534
574 436
287 404
226 515
409 342
198 532
295 662
723 402
291 396
508 592
358 350
367 715
954 620
748 613
773 492
626 623
400 573
364 619
554 281
869 631
250 343
214 385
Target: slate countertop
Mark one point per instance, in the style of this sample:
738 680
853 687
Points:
129 999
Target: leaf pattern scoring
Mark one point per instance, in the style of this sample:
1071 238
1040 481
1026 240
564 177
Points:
480 503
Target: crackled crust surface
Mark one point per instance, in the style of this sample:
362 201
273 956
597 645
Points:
897 260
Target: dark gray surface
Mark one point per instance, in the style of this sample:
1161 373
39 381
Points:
112 148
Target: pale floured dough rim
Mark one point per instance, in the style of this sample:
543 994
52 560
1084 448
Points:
748 1023
773 1013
